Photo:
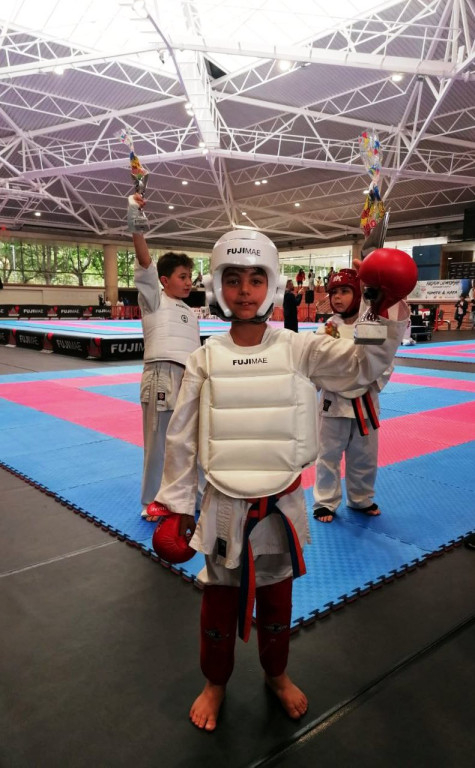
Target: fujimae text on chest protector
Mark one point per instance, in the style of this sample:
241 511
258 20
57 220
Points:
170 333
258 418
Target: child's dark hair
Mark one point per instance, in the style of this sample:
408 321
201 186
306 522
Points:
167 263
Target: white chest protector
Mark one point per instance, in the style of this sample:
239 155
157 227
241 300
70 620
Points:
258 418
170 333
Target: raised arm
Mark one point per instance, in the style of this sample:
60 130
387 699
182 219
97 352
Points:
141 248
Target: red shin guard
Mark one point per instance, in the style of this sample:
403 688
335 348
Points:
273 613
219 614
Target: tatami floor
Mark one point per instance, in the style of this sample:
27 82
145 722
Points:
99 654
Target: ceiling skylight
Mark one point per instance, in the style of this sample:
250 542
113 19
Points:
235 32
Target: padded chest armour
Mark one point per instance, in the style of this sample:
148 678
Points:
258 418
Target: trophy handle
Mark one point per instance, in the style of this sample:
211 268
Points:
140 184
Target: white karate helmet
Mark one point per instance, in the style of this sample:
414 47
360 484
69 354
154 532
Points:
244 248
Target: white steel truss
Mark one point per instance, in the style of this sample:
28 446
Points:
60 152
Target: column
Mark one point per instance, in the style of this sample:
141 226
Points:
356 250
111 276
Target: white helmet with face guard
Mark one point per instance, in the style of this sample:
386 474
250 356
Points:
244 248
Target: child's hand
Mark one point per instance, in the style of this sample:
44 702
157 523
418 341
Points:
139 200
187 523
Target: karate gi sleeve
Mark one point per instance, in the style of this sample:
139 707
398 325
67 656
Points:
340 365
147 284
180 476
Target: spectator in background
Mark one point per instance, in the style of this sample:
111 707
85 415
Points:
472 313
291 303
461 308
198 281
327 278
120 309
311 280
300 278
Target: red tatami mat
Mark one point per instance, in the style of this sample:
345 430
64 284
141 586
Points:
433 381
113 417
417 434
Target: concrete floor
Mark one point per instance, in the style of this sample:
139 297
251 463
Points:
99 655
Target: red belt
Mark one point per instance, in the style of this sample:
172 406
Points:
261 508
370 410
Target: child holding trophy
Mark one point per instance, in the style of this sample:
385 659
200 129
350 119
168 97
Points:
170 331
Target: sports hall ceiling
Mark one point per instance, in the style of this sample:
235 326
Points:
199 86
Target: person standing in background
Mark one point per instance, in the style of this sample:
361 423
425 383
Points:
291 304
472 313
461 308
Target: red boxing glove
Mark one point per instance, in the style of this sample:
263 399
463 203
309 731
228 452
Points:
167 541
388 275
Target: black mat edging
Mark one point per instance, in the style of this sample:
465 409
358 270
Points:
344 707
93 519
330 607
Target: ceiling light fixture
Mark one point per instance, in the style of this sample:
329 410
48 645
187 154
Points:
171 207
37 213
284 65
257 183
297 205
184 183
58 70
397 77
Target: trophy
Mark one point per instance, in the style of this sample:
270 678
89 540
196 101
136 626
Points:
136 218
374 223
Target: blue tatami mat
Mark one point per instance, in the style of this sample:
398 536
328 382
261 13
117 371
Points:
12 378
128 392
342 561
428 502
59 468
419 399
31 434
425 511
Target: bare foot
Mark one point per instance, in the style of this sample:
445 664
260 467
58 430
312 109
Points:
292 698
323 515
205 709
374 512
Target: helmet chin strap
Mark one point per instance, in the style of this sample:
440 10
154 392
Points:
346 315
215 309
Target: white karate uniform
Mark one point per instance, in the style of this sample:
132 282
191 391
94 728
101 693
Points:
328 363
160 384
339 434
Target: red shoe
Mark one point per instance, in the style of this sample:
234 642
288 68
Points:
153 512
